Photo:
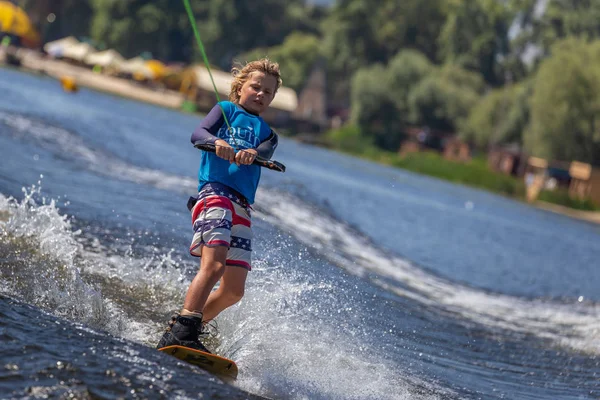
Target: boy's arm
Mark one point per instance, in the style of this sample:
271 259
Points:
268 146
206 132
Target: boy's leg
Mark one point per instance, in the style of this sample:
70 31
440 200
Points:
239 258
185 328
230 291
212 268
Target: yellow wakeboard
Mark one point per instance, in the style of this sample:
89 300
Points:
213 363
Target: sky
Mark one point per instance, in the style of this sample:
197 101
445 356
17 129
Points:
321 2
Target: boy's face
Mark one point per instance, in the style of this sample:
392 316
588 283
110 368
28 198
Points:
257 92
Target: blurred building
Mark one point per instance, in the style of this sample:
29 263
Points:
457 150
585 181
426 139
541 174
311 113
280 112
508 159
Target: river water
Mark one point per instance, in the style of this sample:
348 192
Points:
368 282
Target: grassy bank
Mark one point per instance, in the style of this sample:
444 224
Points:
561 197
474 173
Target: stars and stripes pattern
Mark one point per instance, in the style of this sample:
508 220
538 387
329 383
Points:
208 224
241 243
221 217
223 191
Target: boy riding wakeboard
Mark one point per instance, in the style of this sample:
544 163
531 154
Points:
227 184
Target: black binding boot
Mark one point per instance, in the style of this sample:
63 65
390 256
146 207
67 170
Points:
183 331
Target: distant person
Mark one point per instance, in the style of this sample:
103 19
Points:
423 134
227 186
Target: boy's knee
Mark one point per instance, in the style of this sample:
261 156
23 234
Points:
235 295
214 267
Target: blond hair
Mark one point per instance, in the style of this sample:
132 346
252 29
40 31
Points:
241 75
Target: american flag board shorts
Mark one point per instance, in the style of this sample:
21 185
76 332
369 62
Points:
221 217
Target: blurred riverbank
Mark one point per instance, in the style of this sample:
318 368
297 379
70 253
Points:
36 62
590 216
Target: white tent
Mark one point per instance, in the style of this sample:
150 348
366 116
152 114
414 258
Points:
78 52
286 99
57 47
105 58
222 80
136 65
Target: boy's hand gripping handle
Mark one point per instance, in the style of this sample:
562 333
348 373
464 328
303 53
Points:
262 162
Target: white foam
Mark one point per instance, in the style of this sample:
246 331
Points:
284 333
47 240
575 326
55 269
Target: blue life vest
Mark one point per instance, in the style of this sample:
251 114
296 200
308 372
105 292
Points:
249 131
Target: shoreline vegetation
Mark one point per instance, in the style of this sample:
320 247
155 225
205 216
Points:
474 173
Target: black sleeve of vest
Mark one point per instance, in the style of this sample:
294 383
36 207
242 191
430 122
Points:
268 146
206 132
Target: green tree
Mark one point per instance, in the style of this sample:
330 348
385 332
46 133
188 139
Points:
526 13
380 96
475 36
410 24
573 18
296 56
232 27
565 106
358 33
516 121
443 99
374 109
544 23
404 72
132 27
72 17
500 117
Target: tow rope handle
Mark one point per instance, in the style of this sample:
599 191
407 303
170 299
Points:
260 161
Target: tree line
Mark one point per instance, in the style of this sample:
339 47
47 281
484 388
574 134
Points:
495 72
